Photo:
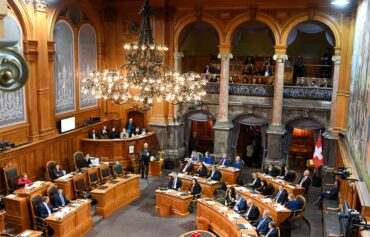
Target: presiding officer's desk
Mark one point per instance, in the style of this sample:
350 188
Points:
72 220
288 186
115 194
278 212
229 174
178 202
122 150
222 220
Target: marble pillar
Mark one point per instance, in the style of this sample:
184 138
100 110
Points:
335 79
223 127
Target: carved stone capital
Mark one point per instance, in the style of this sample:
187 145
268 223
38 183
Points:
280 58
178 55
38 4
225 56
336 59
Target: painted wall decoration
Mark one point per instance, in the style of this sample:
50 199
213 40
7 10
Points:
64 82
358 134
87 51
12 104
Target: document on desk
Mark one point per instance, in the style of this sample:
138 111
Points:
26 233
266 200
291 186
279 207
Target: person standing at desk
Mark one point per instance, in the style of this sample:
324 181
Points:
60 199
238 163
24 180
144 156
224 161
175 183
130 126
214 174
58 172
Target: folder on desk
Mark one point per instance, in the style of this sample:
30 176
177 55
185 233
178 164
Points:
102 187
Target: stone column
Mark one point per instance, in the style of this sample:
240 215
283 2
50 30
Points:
335 80
177 61
222 128
276 130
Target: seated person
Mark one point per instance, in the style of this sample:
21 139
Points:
265 189
24 180
256 183
195 156
330 194
130 126
195 189
252 212
288 176
214 174
271 170
208 69
292 203
58 172
45 210
188 167
104 133
93 135
113 134
136 132
207 159
240 204
249 61
202 171
305 180
230 196
272 232
325 83
124 134
143 131
86 161
175 182
238 163
267 72
224 161
60 199
213 78
313 83
281 195
261 225
302 82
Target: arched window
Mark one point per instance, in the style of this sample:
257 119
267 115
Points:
64 76
12 104
86 61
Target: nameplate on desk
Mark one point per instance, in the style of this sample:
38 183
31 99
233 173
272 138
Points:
102 187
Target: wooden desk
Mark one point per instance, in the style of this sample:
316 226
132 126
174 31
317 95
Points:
178 204
2 223
203 233
218 218
288 186
229 174
365 233
155 168
73 220
118 149
277 212
66 183
17 206
31 233
113 195
208 186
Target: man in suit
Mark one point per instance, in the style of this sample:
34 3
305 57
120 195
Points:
175 182
330 194
60 199
130 126
240 204
45 210
113 134
85 162
224 160
195 156
58 172
272 230
305 180
256 183
238 163
188 168
261 225
214 174
253 212
93 135
144 156
288 176
271 170
281 195
104 133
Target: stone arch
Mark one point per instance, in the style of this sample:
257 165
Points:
320 17
20 11
199 115
250 119
245 17
314 121
191 18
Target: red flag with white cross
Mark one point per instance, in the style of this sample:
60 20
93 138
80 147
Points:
318 159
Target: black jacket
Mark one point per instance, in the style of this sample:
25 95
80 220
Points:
57 173
282 198
189 169
289 176
197 189
202 172
306 184
273 233
144 155
256 184
253 214
178 184
274 172
216 176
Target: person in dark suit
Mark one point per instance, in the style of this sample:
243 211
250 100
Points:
305 180
240 204
104 133
175 182
272 232
214 174
252 213
113 134
292 203
256 182
85 162
45 210
202 171
261 225
330 194
208 69
195 189
137 132
281 195
58 172
60 199
238 163
93 135
144 156
287 175
224 161
262 188
271 170
130 126
188 168
230 196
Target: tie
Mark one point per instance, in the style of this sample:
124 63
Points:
61 198
249 210
260 224
304 179
277 196
223 162
47 208
269 233
212 174
174 183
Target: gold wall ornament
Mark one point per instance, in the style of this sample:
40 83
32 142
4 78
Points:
13 67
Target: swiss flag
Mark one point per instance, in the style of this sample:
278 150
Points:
318 159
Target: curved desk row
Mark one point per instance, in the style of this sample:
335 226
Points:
125 151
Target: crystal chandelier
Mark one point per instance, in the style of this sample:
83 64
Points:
147 71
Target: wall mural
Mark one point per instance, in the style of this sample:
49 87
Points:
358 134
12 104
87 61
64 86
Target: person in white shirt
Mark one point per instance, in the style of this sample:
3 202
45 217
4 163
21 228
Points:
175 183
305 180
123 134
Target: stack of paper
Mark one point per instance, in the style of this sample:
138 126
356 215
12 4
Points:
266 200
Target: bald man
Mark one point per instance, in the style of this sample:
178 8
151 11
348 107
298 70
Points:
144 156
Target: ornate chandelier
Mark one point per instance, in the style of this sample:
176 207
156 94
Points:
147 71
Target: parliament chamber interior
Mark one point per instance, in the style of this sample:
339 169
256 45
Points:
191 118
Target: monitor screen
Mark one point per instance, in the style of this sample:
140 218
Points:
67 124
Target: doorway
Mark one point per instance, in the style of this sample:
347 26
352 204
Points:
249 145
